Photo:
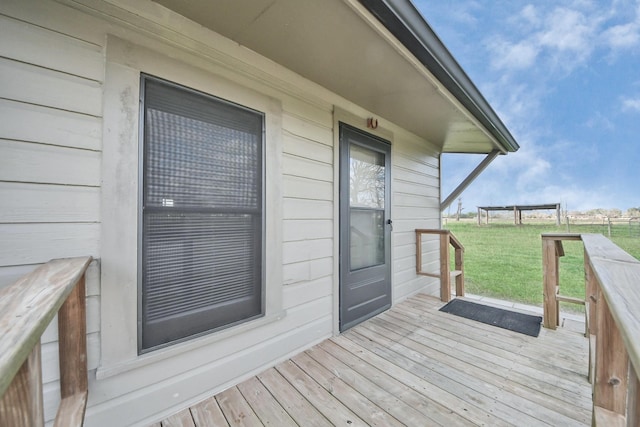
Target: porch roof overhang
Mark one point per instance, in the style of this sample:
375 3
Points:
378 54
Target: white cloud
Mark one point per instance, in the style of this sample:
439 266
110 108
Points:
598 120
536 171
631 104
623 36
560 38
513 56
572 197
517 102
530 14
465 12
568 30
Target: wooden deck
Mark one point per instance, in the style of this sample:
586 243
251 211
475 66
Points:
415 366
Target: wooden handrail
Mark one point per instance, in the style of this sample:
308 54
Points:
612 300
447 239
26 309
453 240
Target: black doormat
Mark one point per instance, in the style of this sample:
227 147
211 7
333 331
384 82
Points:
511 320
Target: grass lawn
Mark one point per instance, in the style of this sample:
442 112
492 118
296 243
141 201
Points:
504 261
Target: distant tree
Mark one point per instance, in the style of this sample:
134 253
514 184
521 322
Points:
613 213
633 212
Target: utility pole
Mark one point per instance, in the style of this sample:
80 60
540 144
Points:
459 212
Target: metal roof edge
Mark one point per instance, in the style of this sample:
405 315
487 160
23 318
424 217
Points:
406 23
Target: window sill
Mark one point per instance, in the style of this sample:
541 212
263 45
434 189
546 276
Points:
103 372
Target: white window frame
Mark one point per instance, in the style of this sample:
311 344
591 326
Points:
121 172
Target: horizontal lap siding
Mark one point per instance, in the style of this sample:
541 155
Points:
416 204
50 143
41 203
308 205
55 127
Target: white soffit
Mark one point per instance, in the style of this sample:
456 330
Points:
329 43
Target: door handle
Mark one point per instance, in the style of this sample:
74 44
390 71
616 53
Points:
390 223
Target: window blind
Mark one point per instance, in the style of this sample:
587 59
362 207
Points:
201 213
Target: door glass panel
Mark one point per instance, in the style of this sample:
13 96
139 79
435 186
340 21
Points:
367 238
366 178
366 201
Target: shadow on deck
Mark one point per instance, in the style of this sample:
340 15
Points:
415 366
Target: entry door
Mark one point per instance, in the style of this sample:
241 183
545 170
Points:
365 226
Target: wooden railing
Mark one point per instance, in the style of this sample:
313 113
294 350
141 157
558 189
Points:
26 309
447 240
612 305
552 250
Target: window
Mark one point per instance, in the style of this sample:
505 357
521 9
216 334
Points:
201 216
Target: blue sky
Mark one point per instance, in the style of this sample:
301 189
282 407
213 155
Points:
564 76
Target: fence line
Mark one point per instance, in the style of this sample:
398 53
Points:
610 227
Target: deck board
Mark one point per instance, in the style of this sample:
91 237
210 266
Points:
398 399
181 419
270 412
365 409
299 408
333 409
485 378
236 409
518 367
208 414
414 365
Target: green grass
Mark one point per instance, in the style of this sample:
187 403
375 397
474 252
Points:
504 261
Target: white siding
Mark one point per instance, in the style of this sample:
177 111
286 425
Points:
55 127
416 204
40 203
52 69
49 163
308 205
42 86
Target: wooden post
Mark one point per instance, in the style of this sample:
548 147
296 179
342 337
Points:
591 304
459 254
633 399
73 357
21 405
418 252
591 295
612 364
479 216
559 251
445 277
550 281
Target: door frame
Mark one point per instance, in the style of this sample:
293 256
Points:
384 132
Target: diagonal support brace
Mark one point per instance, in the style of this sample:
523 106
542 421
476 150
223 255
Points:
469 179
